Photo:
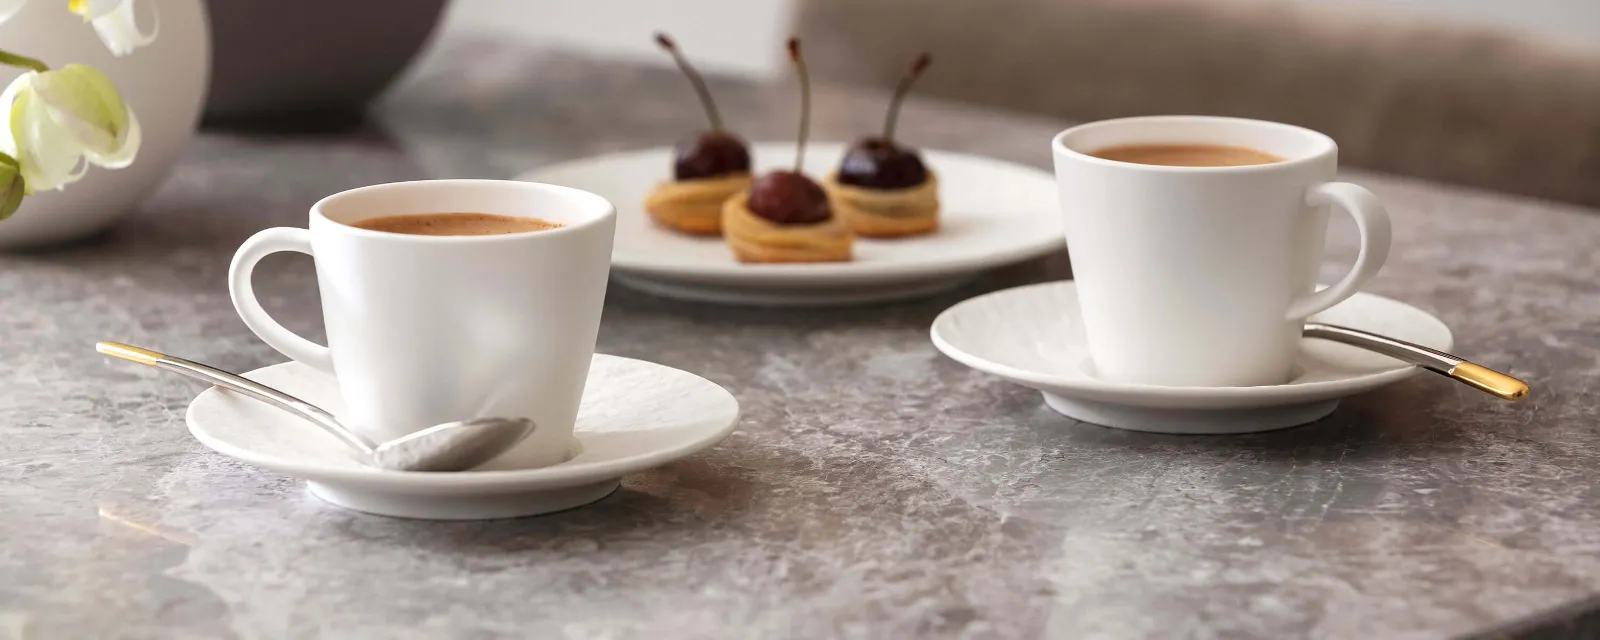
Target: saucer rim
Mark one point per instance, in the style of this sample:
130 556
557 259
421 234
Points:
846 273
1104 391
566 474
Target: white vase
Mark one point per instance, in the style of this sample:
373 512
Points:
165 84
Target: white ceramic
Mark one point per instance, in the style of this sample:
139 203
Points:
1032 336
635 415
1203 275
165 84
424 330
994 213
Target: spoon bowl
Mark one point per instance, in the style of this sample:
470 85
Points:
452 446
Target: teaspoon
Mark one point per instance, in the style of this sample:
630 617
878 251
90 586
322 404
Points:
452 446
1476 375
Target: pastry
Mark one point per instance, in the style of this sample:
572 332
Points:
785 216
882 189
887 213
756 239
694 206
708 167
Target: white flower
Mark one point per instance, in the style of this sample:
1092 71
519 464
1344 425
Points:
63 120
113 20
10 8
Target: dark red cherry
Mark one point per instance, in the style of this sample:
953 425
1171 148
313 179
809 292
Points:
710 154
789 197
786 197
879 163
875 163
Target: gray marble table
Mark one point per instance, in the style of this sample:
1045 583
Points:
874 489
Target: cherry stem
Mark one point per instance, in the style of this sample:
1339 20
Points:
694 79
805 103
917 67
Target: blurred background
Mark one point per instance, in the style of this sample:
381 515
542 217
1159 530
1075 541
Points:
1490 93
1487 93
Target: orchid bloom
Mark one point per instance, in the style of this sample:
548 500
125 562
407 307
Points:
59 121
63 120
112 20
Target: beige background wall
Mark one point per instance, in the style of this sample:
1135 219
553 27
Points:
742 37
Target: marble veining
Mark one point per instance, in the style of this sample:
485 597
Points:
874 489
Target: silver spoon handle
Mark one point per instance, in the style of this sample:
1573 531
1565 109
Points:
1476 375
239 384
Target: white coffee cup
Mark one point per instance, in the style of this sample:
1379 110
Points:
1203 276
428 329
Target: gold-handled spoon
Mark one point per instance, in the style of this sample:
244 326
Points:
1476 375
452 446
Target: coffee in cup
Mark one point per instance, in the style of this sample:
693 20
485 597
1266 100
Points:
454 224
1186 155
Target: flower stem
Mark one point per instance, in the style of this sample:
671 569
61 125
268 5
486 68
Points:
19 60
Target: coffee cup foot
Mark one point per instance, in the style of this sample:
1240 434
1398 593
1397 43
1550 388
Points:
1188 420
464 507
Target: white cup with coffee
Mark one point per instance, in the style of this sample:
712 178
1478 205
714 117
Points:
1195 242
447 300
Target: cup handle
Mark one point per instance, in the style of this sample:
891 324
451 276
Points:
260 245
1372 221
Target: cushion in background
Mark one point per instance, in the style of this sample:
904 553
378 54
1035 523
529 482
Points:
1439 101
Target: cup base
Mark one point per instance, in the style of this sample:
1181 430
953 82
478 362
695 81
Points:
1190 421
464 507
1296 372
397 504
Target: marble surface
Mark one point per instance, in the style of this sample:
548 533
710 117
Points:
874 488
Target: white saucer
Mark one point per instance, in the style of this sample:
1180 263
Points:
1032 336
635 415
994 213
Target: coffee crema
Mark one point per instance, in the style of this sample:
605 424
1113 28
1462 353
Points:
454 224
1187 155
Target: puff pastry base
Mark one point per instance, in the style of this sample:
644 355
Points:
756 239
886 213
694 206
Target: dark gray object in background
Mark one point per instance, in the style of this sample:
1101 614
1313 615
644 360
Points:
309 62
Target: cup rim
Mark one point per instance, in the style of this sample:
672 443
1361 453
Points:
1326 144
609 211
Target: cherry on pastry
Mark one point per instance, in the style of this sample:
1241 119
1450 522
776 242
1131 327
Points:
706 154
879 163
789 197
